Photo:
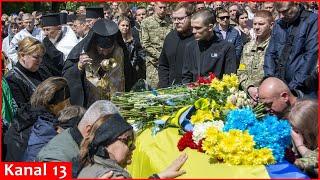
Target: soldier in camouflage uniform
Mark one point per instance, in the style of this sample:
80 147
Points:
154 29
251 64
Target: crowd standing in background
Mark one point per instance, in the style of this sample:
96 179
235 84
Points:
55 65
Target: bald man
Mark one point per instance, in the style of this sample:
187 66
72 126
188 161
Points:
276 96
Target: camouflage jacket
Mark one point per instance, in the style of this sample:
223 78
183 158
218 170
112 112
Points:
309 162
153 33
250 71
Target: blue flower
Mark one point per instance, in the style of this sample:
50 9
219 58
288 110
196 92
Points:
272 133
240 119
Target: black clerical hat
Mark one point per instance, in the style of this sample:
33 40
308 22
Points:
94 12
63 18
52 19
71 17
105 27
106 31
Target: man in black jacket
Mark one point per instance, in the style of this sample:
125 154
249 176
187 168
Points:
207 53
172 54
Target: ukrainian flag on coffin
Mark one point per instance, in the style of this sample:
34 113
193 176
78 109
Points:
154 153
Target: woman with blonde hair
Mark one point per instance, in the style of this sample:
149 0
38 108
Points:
304 120
29 71
108 149
35 127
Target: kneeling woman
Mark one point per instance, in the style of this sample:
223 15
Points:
109 148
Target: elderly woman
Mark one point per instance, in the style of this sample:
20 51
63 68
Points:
49 98
304 120
98 66
29 71
109 148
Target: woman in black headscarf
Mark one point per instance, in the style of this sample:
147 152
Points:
98 66
108 148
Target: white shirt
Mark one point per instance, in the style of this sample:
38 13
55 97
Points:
6 49
67 42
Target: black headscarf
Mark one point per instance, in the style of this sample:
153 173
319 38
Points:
108 133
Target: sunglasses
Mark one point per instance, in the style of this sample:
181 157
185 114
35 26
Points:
127 141
224 17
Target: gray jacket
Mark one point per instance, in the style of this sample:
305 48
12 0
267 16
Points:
100 167
61 148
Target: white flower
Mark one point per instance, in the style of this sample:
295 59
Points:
200 129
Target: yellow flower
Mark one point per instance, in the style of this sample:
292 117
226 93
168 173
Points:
216 114
234 147
229 106
231 80
235 160
217 85
201 116
242 67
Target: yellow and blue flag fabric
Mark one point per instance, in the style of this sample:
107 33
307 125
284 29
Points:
154 153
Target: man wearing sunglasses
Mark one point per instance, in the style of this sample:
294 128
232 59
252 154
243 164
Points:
226 32
172 56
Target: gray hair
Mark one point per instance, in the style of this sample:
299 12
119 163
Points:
96 110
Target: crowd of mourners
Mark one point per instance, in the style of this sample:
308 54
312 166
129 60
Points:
60 70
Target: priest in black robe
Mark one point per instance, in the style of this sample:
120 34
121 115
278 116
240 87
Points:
98 66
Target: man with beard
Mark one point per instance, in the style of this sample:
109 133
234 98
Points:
207 53
80 27
154 29
172 54
29 31
63 39
98 66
